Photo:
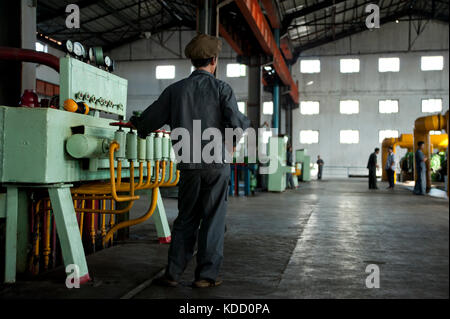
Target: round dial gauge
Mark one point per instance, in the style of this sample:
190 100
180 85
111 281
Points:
78 49
108 61
69 46
91 55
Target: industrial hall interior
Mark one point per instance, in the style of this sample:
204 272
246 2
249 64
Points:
224 149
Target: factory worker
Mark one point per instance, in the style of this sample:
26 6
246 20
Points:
421 170
372 166
203 186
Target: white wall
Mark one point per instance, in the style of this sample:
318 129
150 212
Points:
137 62
368 86
46 73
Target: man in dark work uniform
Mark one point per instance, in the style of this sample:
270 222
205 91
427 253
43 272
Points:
372 166
203 186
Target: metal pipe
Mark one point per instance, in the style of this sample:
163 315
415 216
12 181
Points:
136 221
26 55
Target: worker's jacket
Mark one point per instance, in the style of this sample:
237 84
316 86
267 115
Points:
199 97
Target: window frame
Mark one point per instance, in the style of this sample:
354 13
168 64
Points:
309 114
382 130
432 56
165 65
350 59
300 138
314 72
388 58
433 112
359 109
241 66
398 106
359 137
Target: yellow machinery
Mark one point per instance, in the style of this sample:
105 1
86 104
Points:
439 142
422 128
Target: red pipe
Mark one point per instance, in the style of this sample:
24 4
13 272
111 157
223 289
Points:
25 55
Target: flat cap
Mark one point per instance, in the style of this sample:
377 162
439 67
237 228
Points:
203 46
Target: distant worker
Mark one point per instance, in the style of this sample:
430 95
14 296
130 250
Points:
319 166
421 171
390 167
372 166
203 185
289 178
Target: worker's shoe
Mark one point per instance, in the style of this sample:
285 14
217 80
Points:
165 281
206 283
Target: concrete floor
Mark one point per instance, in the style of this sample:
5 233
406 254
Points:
314 242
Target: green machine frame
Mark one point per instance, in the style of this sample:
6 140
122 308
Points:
33 155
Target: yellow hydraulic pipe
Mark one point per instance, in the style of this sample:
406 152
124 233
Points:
113 147
119 173
422 128
82 218
46 251
92 228
136 221
141 175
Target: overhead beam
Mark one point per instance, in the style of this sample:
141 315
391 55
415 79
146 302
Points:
307 10
230 39
349 32
272 13
252 12
60 12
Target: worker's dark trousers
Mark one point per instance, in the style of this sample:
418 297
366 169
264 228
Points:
372 178
319 175
390 173
202 201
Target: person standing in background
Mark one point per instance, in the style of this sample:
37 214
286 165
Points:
319 166
420 188
372 166
390 167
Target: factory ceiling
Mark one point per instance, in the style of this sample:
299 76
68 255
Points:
305 23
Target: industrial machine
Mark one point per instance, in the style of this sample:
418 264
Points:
277 154
304 162
68 172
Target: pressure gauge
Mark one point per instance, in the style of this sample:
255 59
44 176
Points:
69 46
91 55
96 56
78 49
108 61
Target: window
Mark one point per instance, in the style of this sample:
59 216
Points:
309 137
349 65
431 105
386 134
268 108
432 63
310 66
388 106
235 70
309 107
165 72
435 132
41 47
349 137
388 64
349 107
241 107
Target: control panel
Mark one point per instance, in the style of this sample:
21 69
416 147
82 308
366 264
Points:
99 89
